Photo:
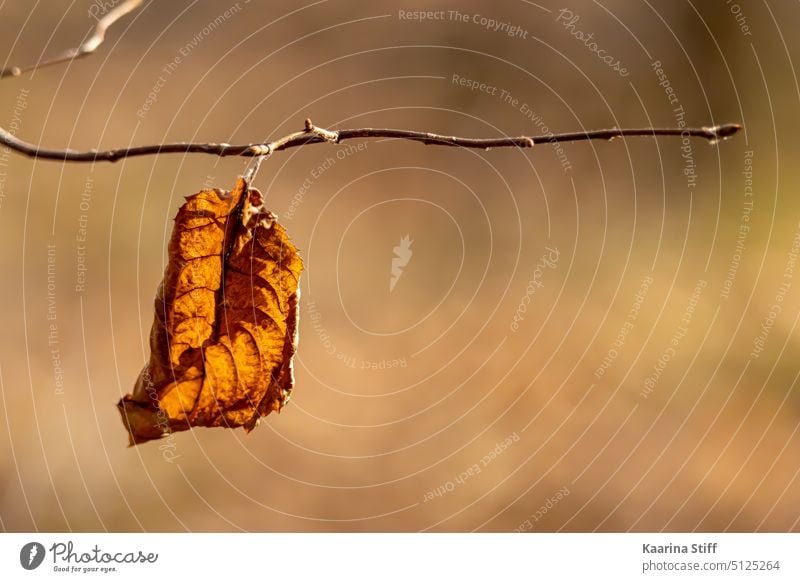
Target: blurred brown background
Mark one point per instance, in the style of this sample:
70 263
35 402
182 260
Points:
423 407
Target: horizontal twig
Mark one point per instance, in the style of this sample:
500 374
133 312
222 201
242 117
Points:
87 48
312 134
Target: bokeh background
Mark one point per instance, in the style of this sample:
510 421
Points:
582 339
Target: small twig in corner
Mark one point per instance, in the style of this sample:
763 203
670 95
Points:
87 48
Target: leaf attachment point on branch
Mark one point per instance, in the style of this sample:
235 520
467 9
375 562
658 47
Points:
225 328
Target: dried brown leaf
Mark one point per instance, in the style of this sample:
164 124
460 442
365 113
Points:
225 327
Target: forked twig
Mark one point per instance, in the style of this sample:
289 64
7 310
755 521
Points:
312 134
87 48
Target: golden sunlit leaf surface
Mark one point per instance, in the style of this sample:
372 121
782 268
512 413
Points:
225 327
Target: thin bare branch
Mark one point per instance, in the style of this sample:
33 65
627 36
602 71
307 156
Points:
312 134
86 48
